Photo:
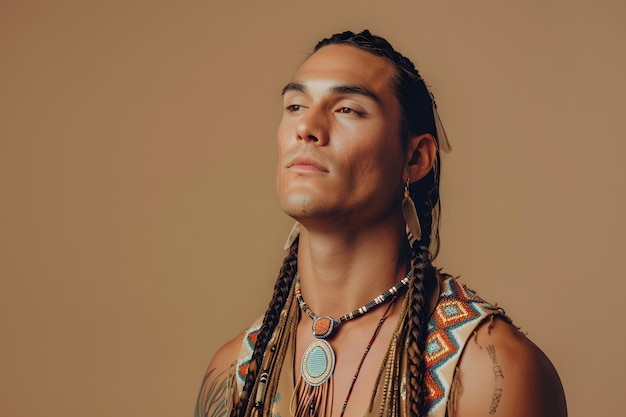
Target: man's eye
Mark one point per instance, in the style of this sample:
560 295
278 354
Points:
350 111
293 107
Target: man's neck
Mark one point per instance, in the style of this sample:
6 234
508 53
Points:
342 271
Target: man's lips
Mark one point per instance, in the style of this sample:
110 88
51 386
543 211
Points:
304 162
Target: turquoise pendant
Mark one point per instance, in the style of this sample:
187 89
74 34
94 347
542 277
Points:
318 362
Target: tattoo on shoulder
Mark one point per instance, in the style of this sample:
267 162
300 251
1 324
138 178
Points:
213 399
498 375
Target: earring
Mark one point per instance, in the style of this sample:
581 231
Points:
410 215
293 234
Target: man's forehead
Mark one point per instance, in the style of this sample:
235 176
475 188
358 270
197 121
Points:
346 64
342 69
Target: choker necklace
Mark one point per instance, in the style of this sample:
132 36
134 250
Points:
318 361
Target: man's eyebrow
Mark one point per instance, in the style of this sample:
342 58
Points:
293 87
354 89
335 90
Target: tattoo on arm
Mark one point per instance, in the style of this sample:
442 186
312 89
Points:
498 375
213 399
497 369
495 400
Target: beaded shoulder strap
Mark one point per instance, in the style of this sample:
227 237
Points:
458 313
245 352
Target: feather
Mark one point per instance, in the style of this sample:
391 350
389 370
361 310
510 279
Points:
410 217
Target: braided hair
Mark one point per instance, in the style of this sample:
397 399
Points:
272 315
416 104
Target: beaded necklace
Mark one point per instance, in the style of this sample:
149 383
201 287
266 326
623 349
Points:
318 361
367 349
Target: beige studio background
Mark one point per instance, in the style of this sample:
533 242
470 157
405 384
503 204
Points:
138 226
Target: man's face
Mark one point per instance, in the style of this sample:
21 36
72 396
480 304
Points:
339 151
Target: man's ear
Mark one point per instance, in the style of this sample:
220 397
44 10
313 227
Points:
421 152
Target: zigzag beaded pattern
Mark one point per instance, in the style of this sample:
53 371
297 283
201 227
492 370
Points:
458 313
359 311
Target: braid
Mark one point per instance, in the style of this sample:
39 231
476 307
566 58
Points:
425 194
272 315
424 273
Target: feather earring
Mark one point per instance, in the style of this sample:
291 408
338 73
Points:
293 235
410 215
442 136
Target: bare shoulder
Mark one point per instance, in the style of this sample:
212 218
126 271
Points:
215 396
227 354
503 373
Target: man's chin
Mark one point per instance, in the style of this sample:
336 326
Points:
304 213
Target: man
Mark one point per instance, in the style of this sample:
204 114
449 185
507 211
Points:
361 323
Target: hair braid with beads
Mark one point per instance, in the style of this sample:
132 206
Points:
272 315
424 273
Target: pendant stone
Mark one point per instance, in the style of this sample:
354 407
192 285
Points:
318 362
323 326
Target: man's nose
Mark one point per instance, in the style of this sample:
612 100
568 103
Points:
313 126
